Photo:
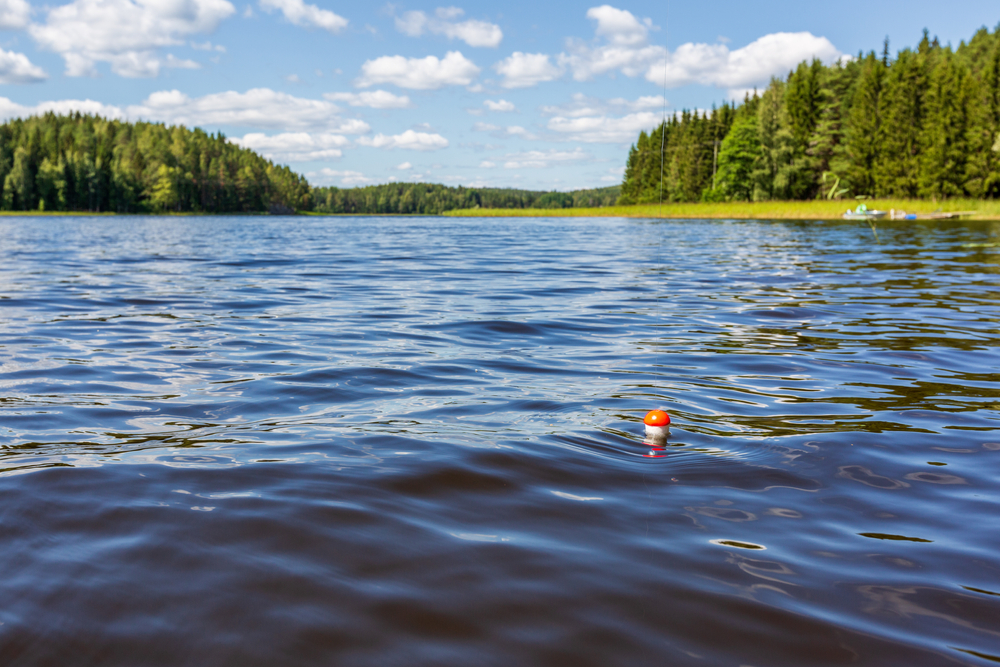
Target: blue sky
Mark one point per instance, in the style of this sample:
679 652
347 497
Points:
518 94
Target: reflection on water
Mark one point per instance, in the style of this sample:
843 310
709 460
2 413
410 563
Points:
361 441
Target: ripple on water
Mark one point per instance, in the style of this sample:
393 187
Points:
361 441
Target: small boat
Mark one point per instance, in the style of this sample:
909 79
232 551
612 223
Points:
863 213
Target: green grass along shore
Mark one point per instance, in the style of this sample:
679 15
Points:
986 209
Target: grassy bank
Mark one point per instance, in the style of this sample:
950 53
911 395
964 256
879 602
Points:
792 210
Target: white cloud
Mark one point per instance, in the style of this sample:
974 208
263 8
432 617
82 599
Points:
623 45
522 70
14 13
619 26
258 108
208 46
419 73
583 105
347 177
404 166
500 105
294 146
306 16
16 68
604 129
409 140
472 32
755 63
9 109
376 99
125 33
486 164
503 132
542 159
627 47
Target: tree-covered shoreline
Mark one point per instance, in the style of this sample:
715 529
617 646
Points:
80 162
85 163
924 124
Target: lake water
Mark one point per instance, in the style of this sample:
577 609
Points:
391 441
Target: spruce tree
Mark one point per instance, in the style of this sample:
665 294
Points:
864 129
944 136
901 110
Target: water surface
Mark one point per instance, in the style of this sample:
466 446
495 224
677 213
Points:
365 441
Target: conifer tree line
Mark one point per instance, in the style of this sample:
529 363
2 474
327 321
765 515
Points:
432 199
922 124
80 162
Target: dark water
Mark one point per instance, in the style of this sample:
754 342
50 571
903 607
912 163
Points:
267 441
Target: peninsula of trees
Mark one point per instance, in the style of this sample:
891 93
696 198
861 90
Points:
922 124
79 162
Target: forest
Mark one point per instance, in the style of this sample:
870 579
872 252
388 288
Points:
924 123
79 162
432 199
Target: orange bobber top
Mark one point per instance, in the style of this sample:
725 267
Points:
656 418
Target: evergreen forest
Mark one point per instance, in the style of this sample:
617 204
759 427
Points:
432 199
80 162
924 123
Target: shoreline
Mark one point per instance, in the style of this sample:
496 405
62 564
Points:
765 210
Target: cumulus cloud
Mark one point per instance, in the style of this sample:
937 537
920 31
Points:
404 166
125 33
258 108
419 73
755 63
619 26
472 32
622 45
9 109
542 159
16 68
294 146
499 105
604 129
502 132
307 16
522 70
345 177
375 99
583 105
409 140
14 13
626 46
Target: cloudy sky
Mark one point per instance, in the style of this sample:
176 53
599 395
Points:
541 95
